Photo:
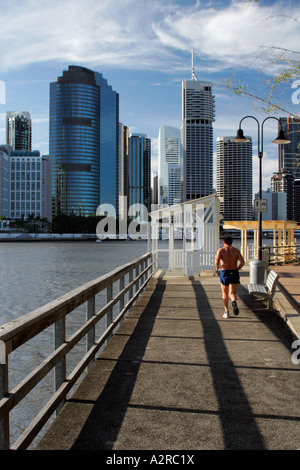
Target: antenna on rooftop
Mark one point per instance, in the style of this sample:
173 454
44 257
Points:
193 73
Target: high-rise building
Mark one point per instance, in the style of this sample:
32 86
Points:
234 178
283 181
174 184
197 139
289 154
25 184
19 130
47 187
123 169
30 185
154 188
84 135
276 205
139 187
168 153
297 200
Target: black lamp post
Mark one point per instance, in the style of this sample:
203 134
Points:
280 139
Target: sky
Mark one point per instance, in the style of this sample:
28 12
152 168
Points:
143 49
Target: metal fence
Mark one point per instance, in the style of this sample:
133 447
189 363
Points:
122 286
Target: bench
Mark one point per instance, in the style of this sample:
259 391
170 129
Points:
267 291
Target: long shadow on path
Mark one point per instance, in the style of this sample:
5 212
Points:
240 430
104 422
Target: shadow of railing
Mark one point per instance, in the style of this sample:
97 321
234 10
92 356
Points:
102 426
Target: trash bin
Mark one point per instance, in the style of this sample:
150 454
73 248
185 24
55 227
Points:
258 271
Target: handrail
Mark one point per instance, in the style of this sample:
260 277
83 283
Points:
279 254
14 334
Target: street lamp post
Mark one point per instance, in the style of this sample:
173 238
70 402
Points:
280 139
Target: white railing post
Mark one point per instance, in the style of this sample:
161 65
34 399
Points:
137 285
121 287
109 315
90 312
130 280
4 423
60 368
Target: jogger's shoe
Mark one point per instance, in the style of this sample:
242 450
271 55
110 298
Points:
226 314
235 308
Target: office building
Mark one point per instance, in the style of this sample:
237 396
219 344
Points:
289 154
19 130
25 184
30 185
139 172
123 169
283 181
197 139
168 154
297 200
5 151
234 178
174 184
47 187
276 205
154 189
83 142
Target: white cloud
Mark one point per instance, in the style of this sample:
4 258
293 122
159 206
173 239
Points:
115 33
232 35
135 34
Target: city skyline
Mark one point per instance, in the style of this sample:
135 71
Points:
145 58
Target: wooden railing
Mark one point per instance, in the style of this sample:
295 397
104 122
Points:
277 254
132 278
282 254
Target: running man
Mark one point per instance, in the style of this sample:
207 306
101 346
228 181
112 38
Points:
231 262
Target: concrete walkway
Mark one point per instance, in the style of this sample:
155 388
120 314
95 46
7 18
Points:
177 376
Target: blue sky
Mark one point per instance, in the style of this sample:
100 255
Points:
143 48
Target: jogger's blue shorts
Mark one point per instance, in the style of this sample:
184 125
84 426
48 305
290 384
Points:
229 276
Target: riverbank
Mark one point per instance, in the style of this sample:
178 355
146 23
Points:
21 236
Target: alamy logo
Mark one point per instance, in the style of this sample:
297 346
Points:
296 93
187 223
296 354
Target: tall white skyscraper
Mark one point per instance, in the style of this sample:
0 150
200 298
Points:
234 178
168 154
197 139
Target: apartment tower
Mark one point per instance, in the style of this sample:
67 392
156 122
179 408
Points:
168 154
139 172
19 130
284 182
289 154
234 178
197 139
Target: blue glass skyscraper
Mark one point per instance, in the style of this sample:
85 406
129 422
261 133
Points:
84 115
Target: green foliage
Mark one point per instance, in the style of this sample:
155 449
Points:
75 224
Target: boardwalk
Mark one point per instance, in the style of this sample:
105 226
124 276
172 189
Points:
179 376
